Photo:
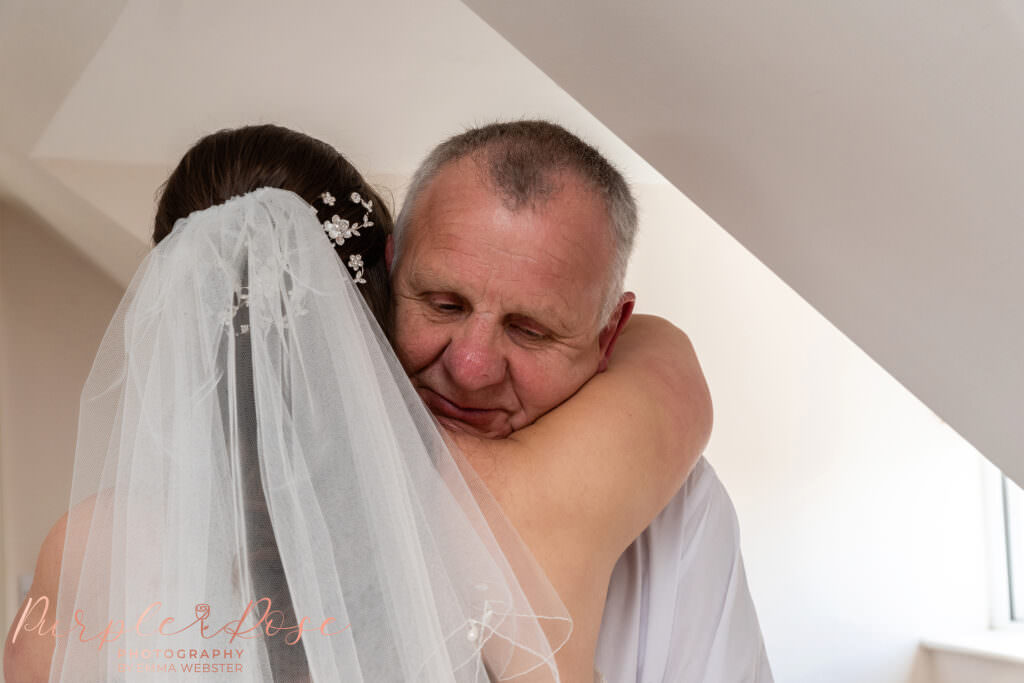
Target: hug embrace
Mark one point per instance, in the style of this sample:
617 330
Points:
442 447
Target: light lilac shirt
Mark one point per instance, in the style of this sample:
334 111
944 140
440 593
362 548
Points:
678 607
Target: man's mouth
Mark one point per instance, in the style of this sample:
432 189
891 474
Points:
478 418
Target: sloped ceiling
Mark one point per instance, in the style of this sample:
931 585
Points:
870 153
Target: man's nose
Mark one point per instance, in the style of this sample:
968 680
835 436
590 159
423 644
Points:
473 359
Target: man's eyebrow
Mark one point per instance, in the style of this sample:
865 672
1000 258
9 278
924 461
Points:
427 277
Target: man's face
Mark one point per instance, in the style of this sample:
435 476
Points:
497 312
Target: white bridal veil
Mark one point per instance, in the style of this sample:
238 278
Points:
246 432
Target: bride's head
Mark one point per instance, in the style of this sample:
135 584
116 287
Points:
234 162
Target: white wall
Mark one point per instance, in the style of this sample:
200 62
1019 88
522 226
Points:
861 512
5 587
54 308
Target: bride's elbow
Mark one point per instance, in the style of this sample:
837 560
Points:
688 412
688 398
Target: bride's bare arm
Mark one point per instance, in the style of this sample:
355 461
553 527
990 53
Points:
27 658
589 476
27 653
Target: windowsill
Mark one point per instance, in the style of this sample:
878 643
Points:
1000 645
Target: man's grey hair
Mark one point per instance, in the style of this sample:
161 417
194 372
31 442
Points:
522 160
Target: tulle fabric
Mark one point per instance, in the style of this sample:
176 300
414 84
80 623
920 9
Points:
246 432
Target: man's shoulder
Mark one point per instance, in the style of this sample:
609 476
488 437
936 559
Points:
698 526
683 581
699 518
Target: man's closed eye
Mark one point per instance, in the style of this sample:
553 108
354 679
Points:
445 305
528 334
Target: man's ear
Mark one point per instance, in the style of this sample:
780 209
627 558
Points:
606 339
389 252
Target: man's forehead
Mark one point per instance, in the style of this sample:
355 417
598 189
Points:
464 196
557 251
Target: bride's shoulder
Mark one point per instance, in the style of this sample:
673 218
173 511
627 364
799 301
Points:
71 530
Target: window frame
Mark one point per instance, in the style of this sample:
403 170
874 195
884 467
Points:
1012 500
1005 523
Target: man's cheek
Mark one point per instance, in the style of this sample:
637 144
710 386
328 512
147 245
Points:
418 343
544 391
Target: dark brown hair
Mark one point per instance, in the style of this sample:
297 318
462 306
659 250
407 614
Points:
236 161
